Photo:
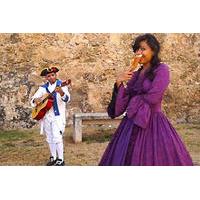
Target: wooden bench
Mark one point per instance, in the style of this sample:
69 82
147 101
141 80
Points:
88 118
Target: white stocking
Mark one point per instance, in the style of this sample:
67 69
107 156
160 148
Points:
52 147
60 150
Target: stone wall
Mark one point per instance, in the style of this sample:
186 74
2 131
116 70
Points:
92 61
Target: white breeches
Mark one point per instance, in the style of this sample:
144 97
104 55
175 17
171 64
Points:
52 131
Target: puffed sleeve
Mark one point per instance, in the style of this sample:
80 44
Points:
120 98
119 101
139 107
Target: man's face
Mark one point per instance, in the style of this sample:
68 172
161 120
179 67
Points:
51 77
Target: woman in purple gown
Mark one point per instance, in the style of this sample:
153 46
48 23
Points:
144 137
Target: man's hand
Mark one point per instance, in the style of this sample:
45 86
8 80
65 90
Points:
37 101
60 91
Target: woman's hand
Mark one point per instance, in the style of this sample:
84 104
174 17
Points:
124 76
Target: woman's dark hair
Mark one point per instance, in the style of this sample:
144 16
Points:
154 45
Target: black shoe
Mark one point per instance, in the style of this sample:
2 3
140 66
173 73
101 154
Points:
60 162
51 161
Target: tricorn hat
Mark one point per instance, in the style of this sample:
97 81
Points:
46 71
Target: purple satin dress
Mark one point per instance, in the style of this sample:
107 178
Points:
144 137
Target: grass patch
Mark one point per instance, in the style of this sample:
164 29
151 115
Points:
100 137
13 138
13 135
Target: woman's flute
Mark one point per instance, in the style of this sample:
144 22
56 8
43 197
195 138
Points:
135 62
134 65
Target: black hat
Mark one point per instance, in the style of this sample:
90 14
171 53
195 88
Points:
48 71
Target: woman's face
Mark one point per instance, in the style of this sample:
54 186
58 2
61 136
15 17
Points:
146 52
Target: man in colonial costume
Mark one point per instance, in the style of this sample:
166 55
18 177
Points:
53 122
